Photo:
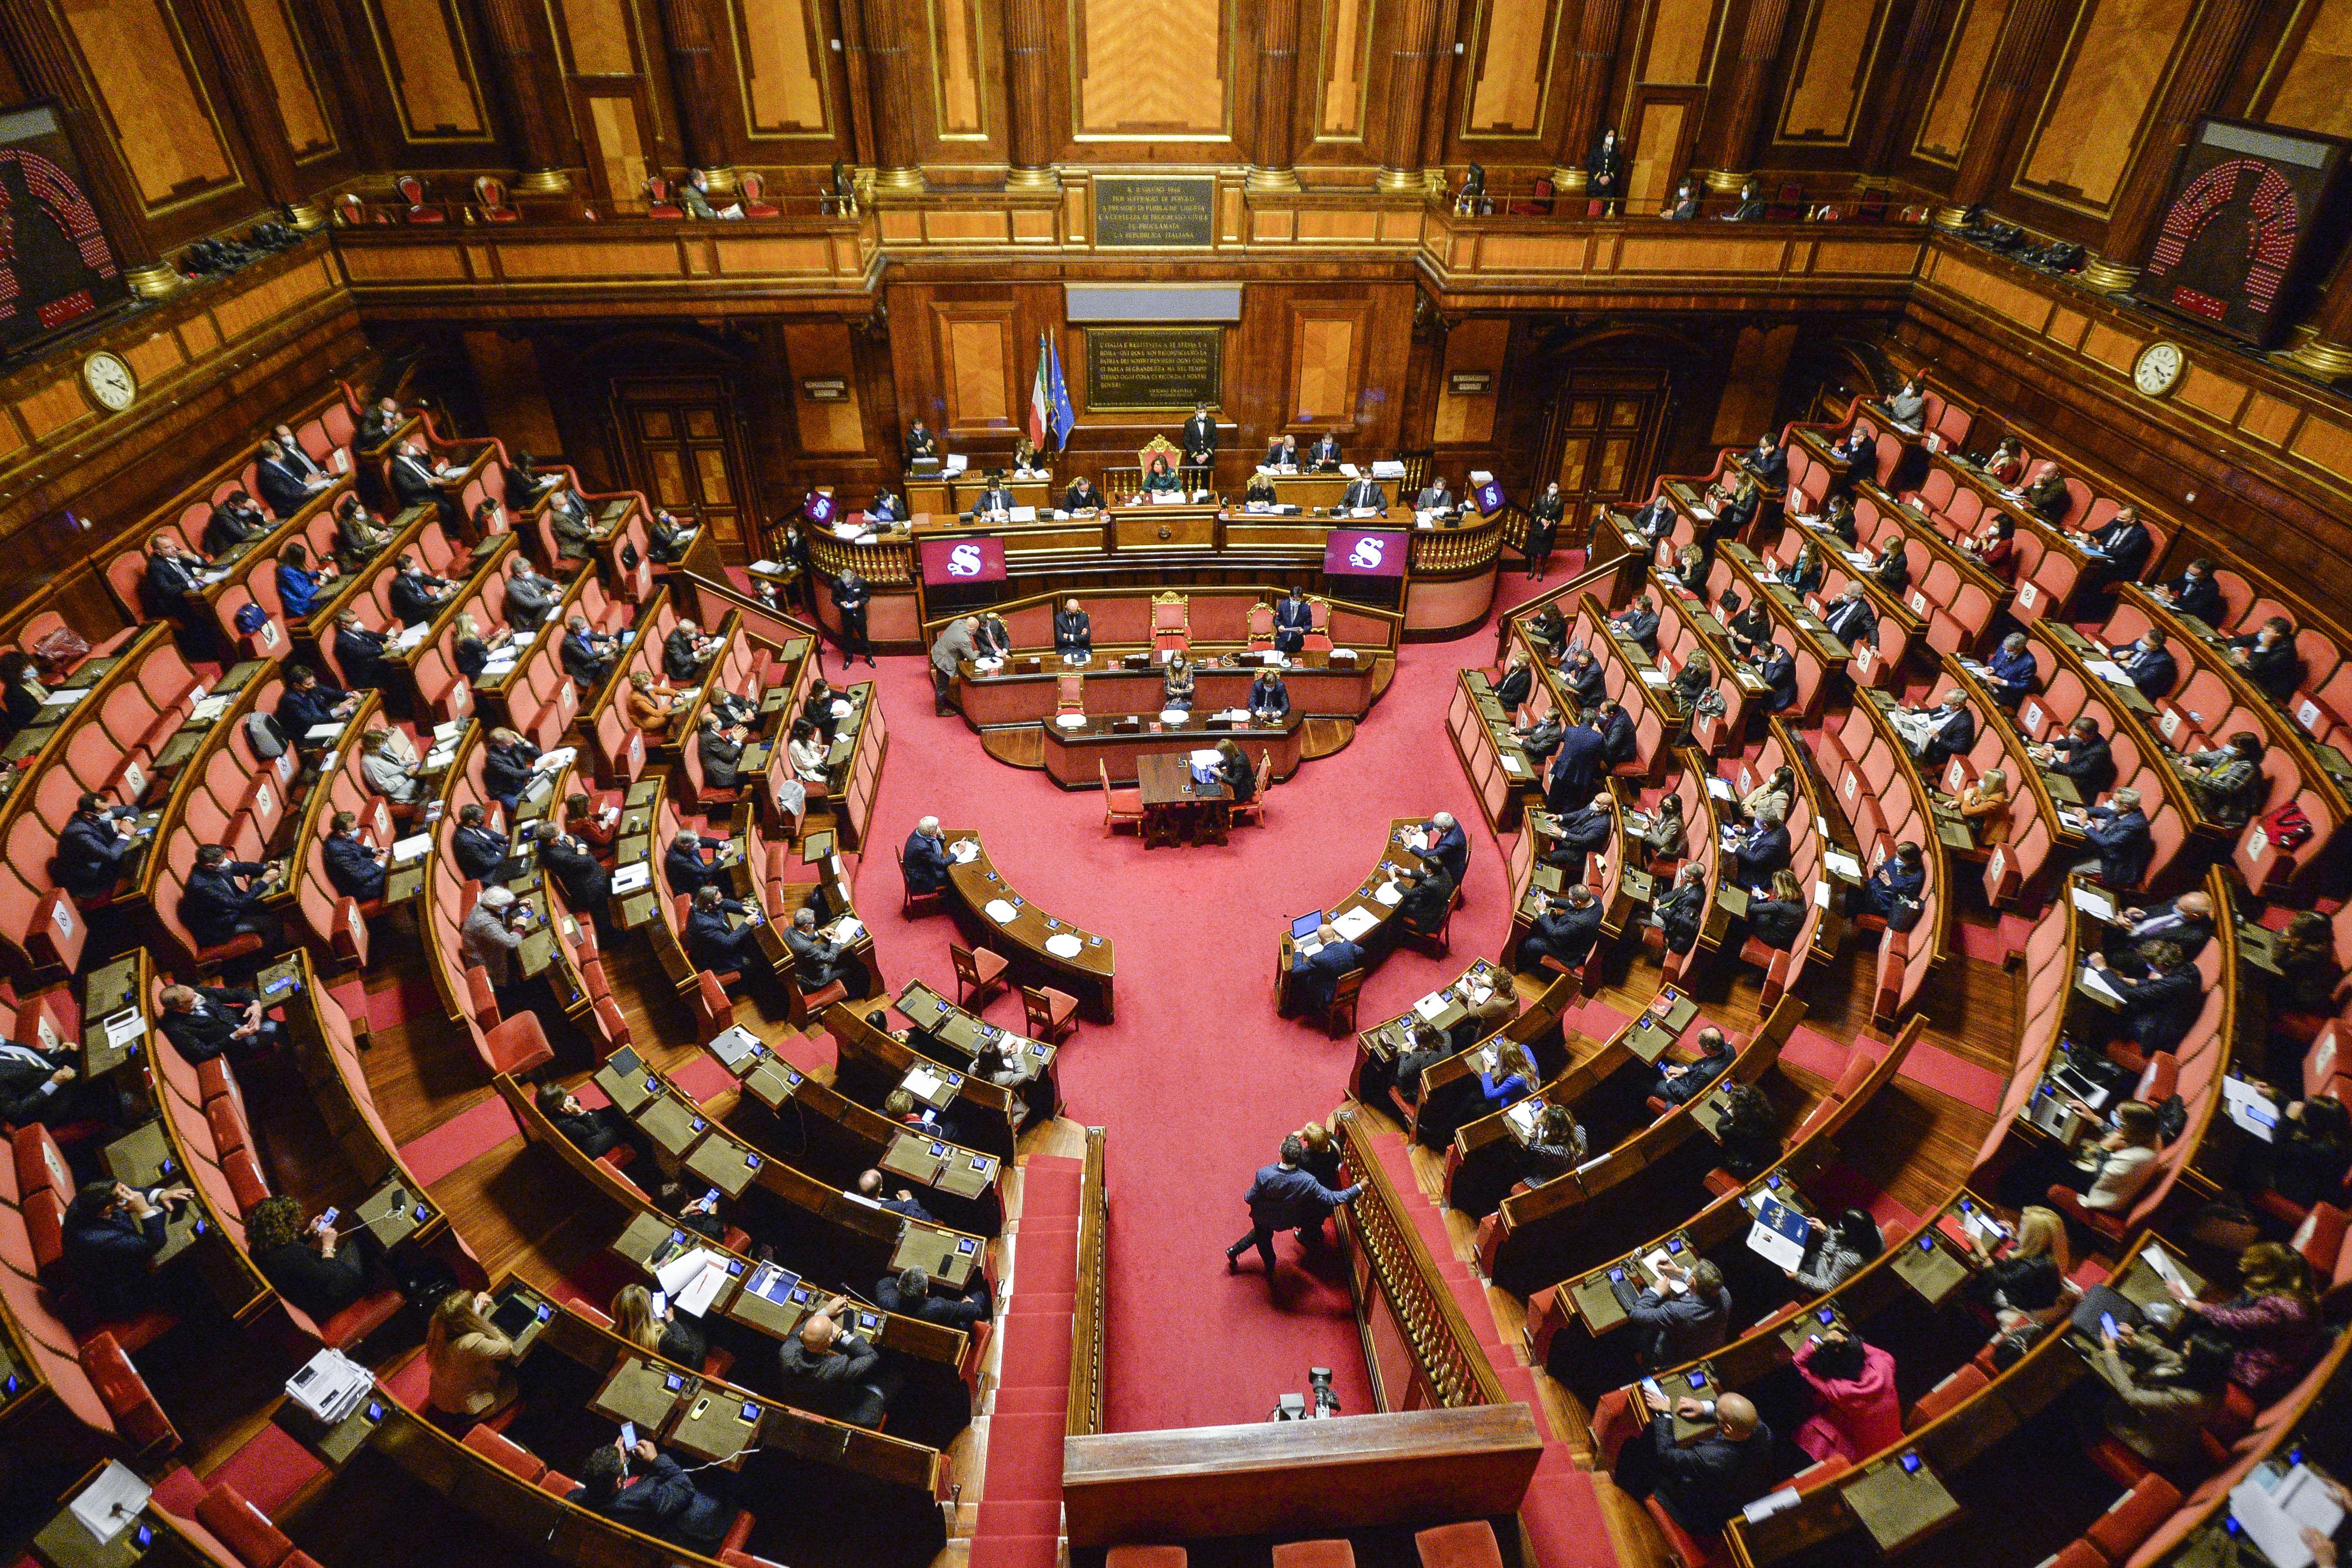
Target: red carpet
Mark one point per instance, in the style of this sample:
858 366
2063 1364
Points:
1019 1521
1198 1079
474 1131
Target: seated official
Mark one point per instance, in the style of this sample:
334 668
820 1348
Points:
2048 497
1082 496
414 594
1760 849
718 746
360 650
2147 663
1857 1410
1425 1047
1425 897
1892 569
473 649
587 655
1517 683
1776 918
650 1493
1680 912
112 1234
1668 833
926 859
1776 668
1364 495
2161 1006
663 1334
45 1087
1850 619
818 963
598 1132
1803 575
1585 831
2227 782
224 898
1984 807
307 1261
389 764
353 869
586 886
2111 1173
1994 546
1269 698
1282 453
237 519
1435 497
1448 844
651 706
1680 1082
1541 738
870 1182
1685 1314
1768 460
1160 479
1692 682
993 639
2014 671
2123 848
912 1293
686 653
1943 732
1638 623
1074 630
576 534
299 587
2186 922
717 945
1260 492
2195 592
1620 741
309 702
1564 930
2268 656
531 598
1559 1145
285 474
509 764
1701 1484
1176 685
1582 675
22 693
995 500
1294 617
171 587
1315 976
807 754
2168 1379
1514 1079
833 1370
684 868
1893 892
1233 768
490 936
2123 543
478 848
97 849
2081 755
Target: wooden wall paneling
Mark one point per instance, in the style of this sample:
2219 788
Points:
1752 390
615 95
1959 82
974 349
1343 76
1476 346
294 78
1159 70
512 392
1512 49
599 37
616 146
2116 60
429 62
1835 54
143 65
1660 149
2304 83
1449 85
824 349
958 45
1327 353
780 51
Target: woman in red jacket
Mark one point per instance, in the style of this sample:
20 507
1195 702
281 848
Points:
1857 1411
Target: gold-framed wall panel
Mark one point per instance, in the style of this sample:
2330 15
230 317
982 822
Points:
2286 63
1639 86
1803 55
1971 12
462 47
2062 77
1228 51
234 180
821 59
1481 26
1327 58
934 26
301 53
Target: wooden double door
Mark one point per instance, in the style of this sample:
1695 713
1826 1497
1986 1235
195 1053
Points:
1601 441
683 447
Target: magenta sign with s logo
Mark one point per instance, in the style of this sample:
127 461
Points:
962 560
1357 553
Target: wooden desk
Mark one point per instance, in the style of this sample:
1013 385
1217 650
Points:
1376 938
1506 783
1028 690
1177 809
1079 759
1347 1473
1033 935
1309 489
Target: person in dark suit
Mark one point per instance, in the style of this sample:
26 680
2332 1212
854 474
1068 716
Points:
686 653
2194 592
1761 848
2147 663
41 1087
416 482
835 1372
1702 1484
169 585
920 443
995 500
648 1490
2268 655
2047 497
237 520
1425 897
1325 453
1583 677
586 884
378 424
850 597
597 1132
309 702
1776 918
576 533
1851 619
1540 739
818 963
112 1234
1284 1197
1583 833
1315 976
478 848
1680 1082
1776 668
287 478
2081 755
817 709
719 748
587 655
416 594
1680 912
1619 740
1200 441
1269 698
96 848
2186 922
685 869
2118 832
1638 624
1282 453
224 898
359 651
2015 671
1074 630
912 1293
1684 1314
353 870
1082 496
713 943
1564 930
1899 883
298 587
898 1201
2160 1007
926 858
1293 619
1576 770
508 761
1449 846
1951 730
1686 205
1517 683
1544 519
1768 461
2125 543
1364 494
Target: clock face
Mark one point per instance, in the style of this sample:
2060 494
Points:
109 381
2159 365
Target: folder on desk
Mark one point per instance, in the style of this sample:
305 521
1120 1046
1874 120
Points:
1779 1233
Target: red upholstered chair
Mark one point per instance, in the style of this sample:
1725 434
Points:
1689 1550
1318 626
1261 625
136 1413
980 975
1339 1018
914 903
1171 622
1255 807
490 192
1956 1390
1119 805
657 199
505 1453
243 1528
713 1013
1470 1544
800 1004
2133 1518
1050 1014
755 189
1315 1554
412 191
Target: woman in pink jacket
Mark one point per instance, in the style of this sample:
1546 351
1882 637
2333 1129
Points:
1854 1388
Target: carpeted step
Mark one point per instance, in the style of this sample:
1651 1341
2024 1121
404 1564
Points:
1565 1522
1034 1355
1025 1517
1043 1302
1015 1551
1037 1399
1024 1458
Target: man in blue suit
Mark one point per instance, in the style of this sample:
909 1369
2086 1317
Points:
2117 830
2015 671
926 858
1899 880
2147 663
1293 619
1284 1197
97 847
1761 851
1315 975
1576 768
1448 845
1776 667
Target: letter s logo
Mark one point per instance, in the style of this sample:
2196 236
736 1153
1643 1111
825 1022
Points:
964 561
1367 554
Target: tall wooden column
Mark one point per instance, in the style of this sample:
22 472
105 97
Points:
1028 91
1277 89
1444 70
514 30
694 71
44 64
1915 66
2325 351
897 163
1743 131
1588 91
254 106
1408 63
2207 60
2013 80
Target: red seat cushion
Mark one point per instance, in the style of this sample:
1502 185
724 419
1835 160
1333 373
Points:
1466 1545
243 1528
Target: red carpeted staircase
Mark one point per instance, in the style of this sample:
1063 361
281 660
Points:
1020 1522
1565 1525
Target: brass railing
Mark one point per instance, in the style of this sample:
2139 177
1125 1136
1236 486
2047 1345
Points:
886 563
1445 1351
1089 1315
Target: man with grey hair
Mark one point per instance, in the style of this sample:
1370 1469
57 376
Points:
2013 672
490 937
818 963
2117 832
913 1293
530 597
949 652
1934 735
925 859
1448 845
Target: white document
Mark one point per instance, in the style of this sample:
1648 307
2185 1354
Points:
2161 1264
955 463
841 708
209 709
1000 911
965 850
1062 945
1354 922
2092 902
1719 789
1655 678
2250 1108
848 928
124 1027
324 731
632 876
1765 1507
1429 1006
681 1270
922 1083
562 756
111 1502
414 848
2097 981
66 699
1390 896
696 1298
410 637
758 567
2275 1513
1845 865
